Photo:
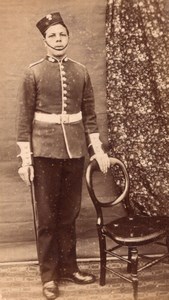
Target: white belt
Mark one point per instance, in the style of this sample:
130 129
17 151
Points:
58 118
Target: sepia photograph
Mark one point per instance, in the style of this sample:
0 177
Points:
84 147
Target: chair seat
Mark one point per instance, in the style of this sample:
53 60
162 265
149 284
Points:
136 230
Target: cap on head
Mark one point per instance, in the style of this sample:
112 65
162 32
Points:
49 20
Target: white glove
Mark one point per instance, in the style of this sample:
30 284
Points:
27 174
101 157
26 171
103 161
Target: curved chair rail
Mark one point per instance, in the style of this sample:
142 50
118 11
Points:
92 167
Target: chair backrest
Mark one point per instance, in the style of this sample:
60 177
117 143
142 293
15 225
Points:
92 167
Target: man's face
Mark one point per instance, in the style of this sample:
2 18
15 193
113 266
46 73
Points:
56 40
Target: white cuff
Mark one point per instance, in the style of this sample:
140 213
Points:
25 154
96 143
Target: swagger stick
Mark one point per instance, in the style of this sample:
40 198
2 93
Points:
35 219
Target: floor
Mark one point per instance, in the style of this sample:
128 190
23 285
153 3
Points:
19 272
22 282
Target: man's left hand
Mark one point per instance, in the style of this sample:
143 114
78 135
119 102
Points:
103 161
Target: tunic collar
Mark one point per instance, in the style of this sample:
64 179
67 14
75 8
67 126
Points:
54 59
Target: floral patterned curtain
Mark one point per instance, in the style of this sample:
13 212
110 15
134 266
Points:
137 44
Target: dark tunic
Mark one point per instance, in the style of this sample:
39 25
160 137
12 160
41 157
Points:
54 87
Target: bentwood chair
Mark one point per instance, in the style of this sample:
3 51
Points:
130 231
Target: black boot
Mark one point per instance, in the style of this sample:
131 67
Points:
79 277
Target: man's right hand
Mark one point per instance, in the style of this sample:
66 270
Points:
27 174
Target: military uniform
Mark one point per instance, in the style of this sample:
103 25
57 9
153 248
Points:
56 115
56 121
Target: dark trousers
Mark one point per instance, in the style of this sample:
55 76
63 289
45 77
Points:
58 188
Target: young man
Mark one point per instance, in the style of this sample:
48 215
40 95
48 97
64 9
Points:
56 119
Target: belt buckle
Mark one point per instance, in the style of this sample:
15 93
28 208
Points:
64 119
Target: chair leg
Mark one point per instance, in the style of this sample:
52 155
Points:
134 264
129 258
102 244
